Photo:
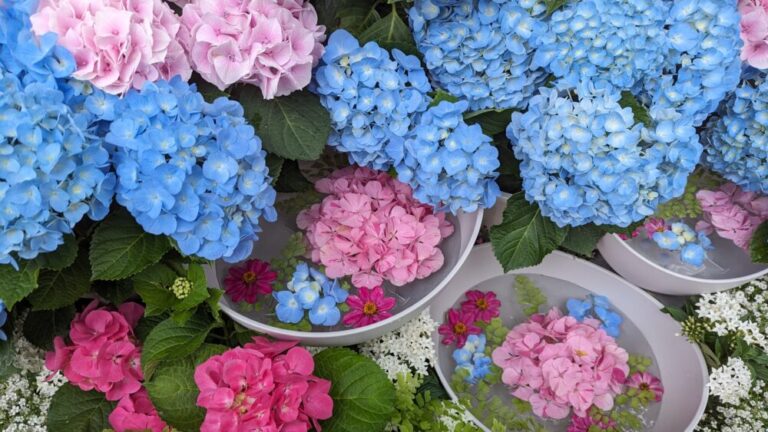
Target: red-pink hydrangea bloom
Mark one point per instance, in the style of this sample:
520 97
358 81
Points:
754 32
558 363
646 381
371 227
103 354
262 386
117 44
731 212
483 306
136 412
271 44
367 307
458 326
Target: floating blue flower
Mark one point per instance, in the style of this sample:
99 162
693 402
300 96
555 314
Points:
596 307
325 312
313 293
472 358
288 308
667 240
681 237
693 253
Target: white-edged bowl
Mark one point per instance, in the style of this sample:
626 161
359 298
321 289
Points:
414 297
646 330
643 272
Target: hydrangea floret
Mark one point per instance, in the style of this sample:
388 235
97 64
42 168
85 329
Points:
596 307
136 412
732 213
754 32
692 244
117 45
472 358
273 45
310 292
481 51
192 170
370 227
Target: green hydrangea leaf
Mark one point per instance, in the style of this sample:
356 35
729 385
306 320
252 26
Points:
41 327
64 255
758 246
15 285
492 121
390 32
628 100
59 288
152 284
442 95
74 410
171 340
583 240
174 393
199 292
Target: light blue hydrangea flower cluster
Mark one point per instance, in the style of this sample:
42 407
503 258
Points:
481 50
621 41
596 307
310 291
737 142
702 62
449 164
588 160
189 169
53 167
681 237
372 97
472 358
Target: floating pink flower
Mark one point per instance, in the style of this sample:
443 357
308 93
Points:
733 213
367 307
647 382
653 225
117 44
262 386
483 306
136 412
271 44
459 326
244 282
754 32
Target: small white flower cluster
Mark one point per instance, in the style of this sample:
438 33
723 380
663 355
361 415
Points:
742 311
454 415
731 382
751 415
408 349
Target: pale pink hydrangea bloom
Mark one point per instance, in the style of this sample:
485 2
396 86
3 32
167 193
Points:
265 386
732 213
136 412
117 44
272 44
371 227
558 363
754 32
104 354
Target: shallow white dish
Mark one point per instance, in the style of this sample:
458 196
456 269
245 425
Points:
645 273
646 329
418 294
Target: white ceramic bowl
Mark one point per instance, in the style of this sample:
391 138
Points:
646 330
645 273
418 294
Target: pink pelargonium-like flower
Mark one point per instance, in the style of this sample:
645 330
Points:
104 354
262 386
370 227
367 307
244 282
117 44
732 213
459 326
271 44
754 32
136 412
484 306
647 382
559 364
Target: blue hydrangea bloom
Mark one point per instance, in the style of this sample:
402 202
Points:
310 292
481 50
288 308
702 62
472 358
192 170
3 319
372 97
692 245
53 166
596 307
450 165
620 41
736 143
587 160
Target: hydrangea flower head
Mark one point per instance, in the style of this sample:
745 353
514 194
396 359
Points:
136 412
620 41
271 44
754 32
732 213
481 51
117 45
590 160
372 97
192 170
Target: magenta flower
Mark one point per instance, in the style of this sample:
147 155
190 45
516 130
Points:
653 225
459 326
246 281
647 382
482 306
367 307
754 32
136 412
590 424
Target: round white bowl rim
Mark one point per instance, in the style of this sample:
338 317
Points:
735 281
266 328
702 365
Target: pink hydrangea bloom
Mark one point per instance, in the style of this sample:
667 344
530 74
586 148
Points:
559 364
117 44
271 44
459 325
136 412
754 32
262 386
483 306
367 307
104 354
371 227
646 381
733 213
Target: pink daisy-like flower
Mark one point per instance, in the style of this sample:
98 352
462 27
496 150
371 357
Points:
367 307
482 306
459 326
645 381
654 225
244 282
585 424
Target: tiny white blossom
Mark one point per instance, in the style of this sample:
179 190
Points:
731 382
